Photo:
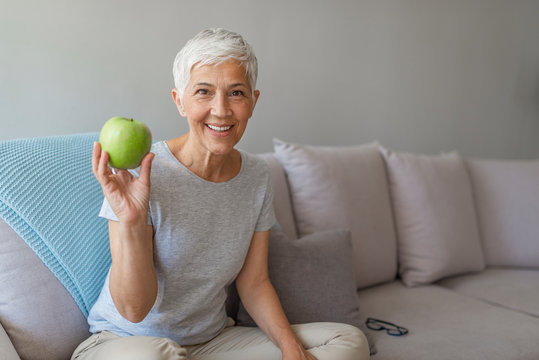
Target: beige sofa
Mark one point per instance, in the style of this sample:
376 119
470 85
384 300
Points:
444 246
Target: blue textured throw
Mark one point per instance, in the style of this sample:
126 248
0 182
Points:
50 197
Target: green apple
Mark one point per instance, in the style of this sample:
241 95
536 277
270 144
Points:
126 141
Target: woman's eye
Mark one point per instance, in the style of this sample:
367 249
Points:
237 93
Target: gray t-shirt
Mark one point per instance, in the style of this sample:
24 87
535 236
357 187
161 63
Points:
202 231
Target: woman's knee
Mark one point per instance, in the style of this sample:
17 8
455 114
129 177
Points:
137 348
350 333
164 349
353 337
328 340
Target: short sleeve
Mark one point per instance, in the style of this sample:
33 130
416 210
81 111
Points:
266 219
107 212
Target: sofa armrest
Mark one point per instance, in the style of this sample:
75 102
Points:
6 347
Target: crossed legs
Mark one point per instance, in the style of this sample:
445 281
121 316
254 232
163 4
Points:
324 340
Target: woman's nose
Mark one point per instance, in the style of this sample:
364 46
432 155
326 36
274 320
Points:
221 106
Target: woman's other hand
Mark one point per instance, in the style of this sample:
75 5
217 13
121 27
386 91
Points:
128 196
296 352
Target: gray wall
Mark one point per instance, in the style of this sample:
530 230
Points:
417 75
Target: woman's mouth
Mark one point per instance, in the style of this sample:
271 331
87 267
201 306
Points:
219 130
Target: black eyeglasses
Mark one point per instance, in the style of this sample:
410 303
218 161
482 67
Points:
391 329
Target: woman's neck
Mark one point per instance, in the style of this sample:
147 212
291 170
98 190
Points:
203 163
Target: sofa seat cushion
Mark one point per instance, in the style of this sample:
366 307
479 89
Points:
515 289
444 324
344 188
37 312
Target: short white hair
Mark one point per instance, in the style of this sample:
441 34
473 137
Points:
211 47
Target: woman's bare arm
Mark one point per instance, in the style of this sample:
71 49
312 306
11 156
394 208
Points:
259 298
133 280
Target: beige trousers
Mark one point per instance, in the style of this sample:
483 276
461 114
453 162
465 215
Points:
326 341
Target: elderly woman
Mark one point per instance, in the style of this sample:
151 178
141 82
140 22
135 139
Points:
205 223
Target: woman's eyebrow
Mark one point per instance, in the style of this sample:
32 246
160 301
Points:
237 84
203 84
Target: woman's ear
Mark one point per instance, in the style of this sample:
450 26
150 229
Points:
256 94
177 101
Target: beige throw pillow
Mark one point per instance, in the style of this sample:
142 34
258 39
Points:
436 223
344 188
507 198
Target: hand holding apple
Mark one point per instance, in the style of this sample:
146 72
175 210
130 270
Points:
126 141
128 195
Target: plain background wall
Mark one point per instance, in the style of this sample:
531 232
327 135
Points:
417 75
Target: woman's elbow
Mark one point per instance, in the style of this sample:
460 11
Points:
134 315
134 312
246 284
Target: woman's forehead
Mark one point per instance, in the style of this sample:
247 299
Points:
229 71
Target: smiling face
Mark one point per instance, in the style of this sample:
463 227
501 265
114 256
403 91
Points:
218 102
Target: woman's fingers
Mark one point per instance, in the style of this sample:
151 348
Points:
145 168
119 179
99 163
103 171
96 154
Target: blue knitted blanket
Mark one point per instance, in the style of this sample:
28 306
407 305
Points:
50 197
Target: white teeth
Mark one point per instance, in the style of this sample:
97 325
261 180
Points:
218 128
